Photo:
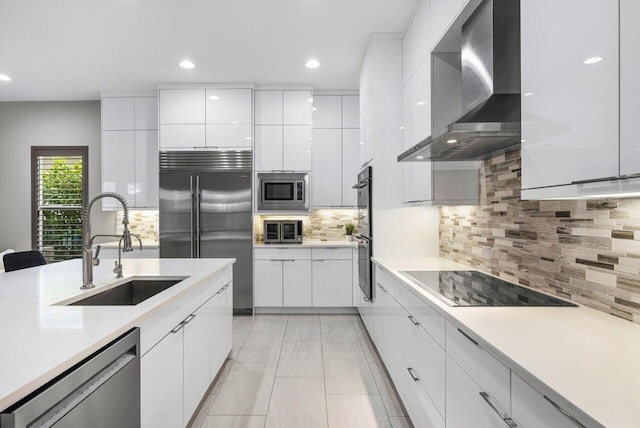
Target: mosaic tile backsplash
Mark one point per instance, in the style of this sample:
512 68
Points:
585 250
143 223
322 225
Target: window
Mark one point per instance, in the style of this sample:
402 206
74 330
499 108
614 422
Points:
59 186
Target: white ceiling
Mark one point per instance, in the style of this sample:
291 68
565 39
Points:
73 49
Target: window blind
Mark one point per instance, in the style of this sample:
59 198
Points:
59 194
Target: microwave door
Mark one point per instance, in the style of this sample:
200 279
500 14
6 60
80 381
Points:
289 231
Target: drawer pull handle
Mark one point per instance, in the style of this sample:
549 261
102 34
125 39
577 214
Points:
288 260
496 408
413 320
189 319
564 412
413 374
178 327
381 287
468 337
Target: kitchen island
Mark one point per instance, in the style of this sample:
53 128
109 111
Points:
42 337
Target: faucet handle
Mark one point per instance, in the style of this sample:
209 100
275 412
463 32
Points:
118 270
96 260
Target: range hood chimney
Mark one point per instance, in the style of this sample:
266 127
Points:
490 54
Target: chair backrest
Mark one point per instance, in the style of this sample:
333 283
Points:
23 260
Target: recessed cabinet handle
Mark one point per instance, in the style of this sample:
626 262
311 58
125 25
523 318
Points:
189 319
468 337
496 408
564 412
413 320
381 287
178 327
413 374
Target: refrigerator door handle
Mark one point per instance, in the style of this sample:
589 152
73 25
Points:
198 231
191 211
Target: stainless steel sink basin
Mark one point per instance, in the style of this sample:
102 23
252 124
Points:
130 293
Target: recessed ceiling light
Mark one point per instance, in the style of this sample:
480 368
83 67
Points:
234 122
593 60
362 142
310 100
529 94
401 128
247 138
523 141
214 97
420 103
312 63
419 157
314 109
308 151
187 64
452 141
5 78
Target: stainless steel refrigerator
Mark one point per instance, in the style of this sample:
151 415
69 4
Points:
205 212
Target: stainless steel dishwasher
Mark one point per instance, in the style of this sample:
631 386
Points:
101 391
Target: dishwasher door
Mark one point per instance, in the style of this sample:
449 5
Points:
101 391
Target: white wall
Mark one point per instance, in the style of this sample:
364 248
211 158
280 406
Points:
26 124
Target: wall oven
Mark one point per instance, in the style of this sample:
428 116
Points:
282 231
364 238
283 192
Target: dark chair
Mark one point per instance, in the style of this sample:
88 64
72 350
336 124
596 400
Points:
23 260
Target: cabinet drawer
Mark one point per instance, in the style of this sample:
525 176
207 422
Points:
219 280
332 253
282 254
430 320
384 279
490 374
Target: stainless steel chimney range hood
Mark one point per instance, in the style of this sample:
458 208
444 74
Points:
490 55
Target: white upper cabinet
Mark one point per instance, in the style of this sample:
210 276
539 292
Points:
268 147
350 165
146 168
350 112
328 111
268 107
182 106
416 44
296 147
228 106
118 167
229 135
297 107
416 112
118 114
629 87
570 91
182 136
146 113
443 13
327 167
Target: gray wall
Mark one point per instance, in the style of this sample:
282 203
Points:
26 124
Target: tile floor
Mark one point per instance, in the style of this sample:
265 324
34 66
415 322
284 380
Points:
302 371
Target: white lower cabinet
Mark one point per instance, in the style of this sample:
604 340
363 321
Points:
267 282
332 283
296 283
221 339
161 383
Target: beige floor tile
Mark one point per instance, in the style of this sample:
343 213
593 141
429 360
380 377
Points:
387 391
356 411
261 347
347 372
400 422
339 334
246 390
269 323
242 325
303 327
297 402
301 359
234 422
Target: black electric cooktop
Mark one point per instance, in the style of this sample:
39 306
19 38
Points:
473 288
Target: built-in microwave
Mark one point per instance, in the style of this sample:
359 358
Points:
282 231
283 192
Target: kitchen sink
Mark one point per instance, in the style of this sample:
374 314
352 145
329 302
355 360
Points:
130 293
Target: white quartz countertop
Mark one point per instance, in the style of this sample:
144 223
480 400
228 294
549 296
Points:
309 244
41 339
589 358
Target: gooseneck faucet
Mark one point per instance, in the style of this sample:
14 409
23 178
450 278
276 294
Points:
88 259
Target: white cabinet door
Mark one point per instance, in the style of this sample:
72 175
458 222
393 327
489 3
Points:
327 167
146 169
182 136
268 147
222 332
296 146
118 114
198 331
465 406
297 107
351 111
530 409
417 106
118 166
350 166
332 283
268 107
328 111
267 285
296 283
443 13
146 113
367 148
182 106
629 87
228 106
161 384
569 108
416 44
229 135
